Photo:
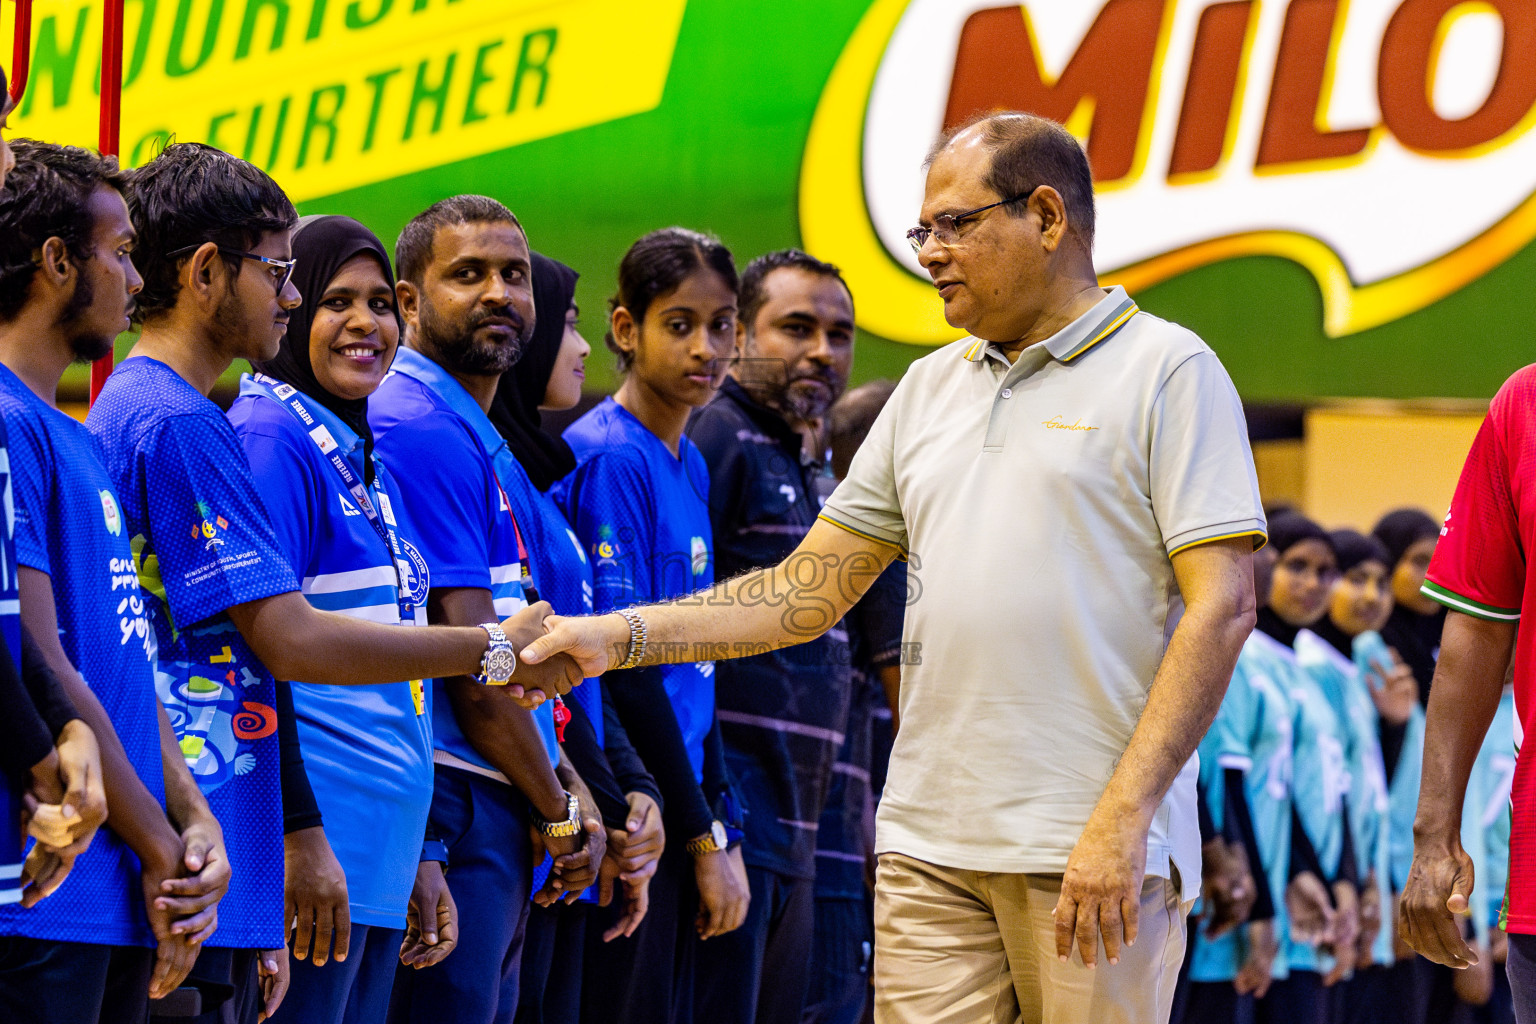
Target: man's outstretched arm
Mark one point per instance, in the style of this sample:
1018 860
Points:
1101 890
790 603
1469 679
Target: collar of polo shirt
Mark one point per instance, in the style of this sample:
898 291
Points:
1107 316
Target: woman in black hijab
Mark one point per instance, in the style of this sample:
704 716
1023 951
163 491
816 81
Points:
302 420
544 377
1409 536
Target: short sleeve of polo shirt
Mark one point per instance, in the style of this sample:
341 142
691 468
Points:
614 516
1203 484
452 500
202 479
1479 564
31 466
288 492
866 502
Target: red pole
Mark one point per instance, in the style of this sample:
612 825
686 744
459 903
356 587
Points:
21 50
111 111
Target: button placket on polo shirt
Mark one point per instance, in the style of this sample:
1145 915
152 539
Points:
1030 362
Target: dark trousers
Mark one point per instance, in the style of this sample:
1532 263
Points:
1499 1009
1299 999
758 973
45 982
1521 968
1216 1002
490 870
550 987
842 950
351 991
647 978
230 986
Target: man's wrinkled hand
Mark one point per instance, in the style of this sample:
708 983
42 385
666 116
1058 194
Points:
1439 888
596 642
534 682
1101 889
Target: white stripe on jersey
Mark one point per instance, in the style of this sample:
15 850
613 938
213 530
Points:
354 579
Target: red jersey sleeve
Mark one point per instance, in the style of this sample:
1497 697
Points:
1479 563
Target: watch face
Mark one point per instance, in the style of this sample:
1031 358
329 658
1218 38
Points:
499 664
717 833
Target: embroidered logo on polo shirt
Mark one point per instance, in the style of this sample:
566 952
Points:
1057 423
347 508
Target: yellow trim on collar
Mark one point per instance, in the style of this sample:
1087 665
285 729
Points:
1119 322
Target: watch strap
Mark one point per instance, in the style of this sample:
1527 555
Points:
566 828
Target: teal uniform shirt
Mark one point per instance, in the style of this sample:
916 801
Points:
1485 816
1253 732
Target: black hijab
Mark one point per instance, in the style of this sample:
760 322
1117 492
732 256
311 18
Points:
1286 530
1351 547
515 409
321 245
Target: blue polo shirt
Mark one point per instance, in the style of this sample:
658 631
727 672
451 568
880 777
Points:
643 515
205 543
439 444
70 525
367 749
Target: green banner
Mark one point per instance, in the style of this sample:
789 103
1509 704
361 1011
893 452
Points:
1339 195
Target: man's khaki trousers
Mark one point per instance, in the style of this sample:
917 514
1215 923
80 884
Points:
977 947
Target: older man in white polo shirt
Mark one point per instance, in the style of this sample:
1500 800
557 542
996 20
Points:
1074 488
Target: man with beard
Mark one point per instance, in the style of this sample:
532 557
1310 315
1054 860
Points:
88 953
782 714
227 612
466 293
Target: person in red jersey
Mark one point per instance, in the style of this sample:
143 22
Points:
1481 574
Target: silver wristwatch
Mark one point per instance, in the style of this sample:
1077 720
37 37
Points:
499 661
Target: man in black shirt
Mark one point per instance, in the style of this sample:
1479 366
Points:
782 714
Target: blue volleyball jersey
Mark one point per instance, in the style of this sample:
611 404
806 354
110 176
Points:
10 629
643 514
70 525
1485 816
1369 807
1252 733
205 542
1321 783
367 749
561 572
440 446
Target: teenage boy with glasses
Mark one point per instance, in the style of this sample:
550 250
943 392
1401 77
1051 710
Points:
227 611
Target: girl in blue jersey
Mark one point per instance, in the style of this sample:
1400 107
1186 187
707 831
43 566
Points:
1245 773
338 518
639 502
1322 891
1381 699
548 376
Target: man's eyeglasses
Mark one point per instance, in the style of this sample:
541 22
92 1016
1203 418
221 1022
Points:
945 225
281 271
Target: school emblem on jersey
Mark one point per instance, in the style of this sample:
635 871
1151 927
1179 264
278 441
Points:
324 439
607 547
110 512
208 526
414 573
700 552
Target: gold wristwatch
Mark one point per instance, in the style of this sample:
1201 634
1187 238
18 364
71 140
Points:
712 841
562 829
